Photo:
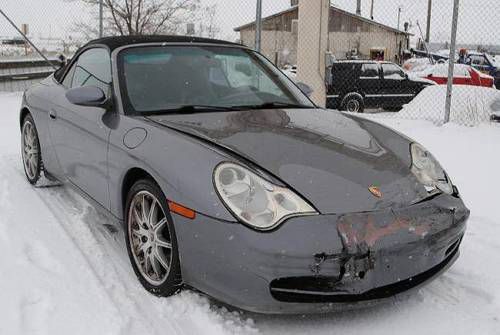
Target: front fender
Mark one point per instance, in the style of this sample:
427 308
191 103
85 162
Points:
182 166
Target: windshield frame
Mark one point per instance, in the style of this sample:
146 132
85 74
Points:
267 66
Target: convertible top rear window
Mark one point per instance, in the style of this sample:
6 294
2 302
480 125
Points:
163 79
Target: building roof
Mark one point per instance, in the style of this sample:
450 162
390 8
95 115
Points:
119 41
293 8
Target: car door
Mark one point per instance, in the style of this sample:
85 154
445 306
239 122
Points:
395 86
78 134
369 84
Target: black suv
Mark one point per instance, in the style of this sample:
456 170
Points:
354 85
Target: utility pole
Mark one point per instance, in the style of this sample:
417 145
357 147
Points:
358 7
371 10
101 19
429 15
258 26
399 16
451 62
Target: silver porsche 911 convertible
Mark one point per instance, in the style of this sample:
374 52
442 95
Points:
229 180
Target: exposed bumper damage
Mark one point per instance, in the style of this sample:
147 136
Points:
335 260
367 237
383 254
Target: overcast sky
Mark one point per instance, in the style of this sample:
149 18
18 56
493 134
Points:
478 21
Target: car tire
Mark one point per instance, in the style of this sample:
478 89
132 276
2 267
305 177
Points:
152 249
30 150
353 103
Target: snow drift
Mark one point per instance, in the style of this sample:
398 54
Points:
471 105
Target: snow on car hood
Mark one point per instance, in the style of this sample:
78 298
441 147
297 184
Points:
415 77
330 158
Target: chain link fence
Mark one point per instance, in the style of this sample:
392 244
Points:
384 58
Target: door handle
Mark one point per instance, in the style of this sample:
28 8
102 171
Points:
52 114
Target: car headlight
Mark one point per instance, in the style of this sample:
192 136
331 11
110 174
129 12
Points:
256 201
428 170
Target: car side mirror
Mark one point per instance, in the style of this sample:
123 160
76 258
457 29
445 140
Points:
306 89
89 96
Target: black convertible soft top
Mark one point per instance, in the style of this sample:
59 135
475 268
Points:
118 41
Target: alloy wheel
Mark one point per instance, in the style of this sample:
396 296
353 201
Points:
30 150
150 238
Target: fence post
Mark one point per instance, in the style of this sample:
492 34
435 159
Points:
451 66
258 26
428 28
101 19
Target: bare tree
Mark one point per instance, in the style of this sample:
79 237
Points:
142 17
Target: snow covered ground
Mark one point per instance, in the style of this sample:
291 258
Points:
64 269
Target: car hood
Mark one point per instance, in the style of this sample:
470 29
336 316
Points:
328 157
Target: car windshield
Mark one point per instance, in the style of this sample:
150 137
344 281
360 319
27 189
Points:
179 79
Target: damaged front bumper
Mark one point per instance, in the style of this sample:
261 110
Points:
325 262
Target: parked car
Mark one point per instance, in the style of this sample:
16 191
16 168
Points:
462 75
238 185
356 85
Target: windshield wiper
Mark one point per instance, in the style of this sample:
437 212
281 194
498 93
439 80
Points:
192 109
187 109
271 105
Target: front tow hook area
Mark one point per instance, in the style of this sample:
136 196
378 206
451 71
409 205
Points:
353 266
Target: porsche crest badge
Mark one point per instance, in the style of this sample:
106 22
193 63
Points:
375 191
